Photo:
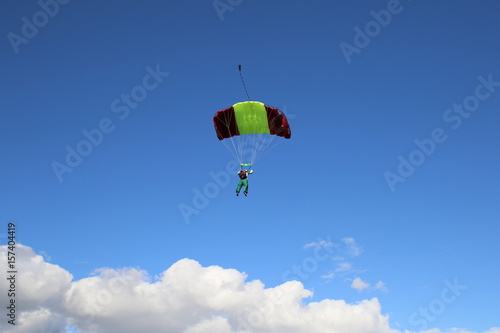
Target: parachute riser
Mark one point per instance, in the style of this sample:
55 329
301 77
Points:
243 165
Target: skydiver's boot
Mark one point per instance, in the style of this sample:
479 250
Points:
245 193
237 193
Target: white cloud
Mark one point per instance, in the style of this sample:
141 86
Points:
493 330
320 243
38 289
458 330
41 282
381 286
186 298
350 246
45 256
359 284
343 267
353 248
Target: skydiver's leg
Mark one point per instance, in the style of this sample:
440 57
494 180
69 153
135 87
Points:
238 188
245 190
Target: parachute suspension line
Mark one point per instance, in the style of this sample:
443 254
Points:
232 150
243 81
266 145
259 142
241 140
262 140
254 146
239 145
259 145
235 143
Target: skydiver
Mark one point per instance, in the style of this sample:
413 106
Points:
243 174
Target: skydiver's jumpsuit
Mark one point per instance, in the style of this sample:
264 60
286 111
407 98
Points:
243 182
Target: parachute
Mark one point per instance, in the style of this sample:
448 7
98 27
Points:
249 129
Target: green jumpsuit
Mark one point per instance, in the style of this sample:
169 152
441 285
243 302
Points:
243 182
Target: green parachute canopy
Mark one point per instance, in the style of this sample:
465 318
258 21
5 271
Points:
248 129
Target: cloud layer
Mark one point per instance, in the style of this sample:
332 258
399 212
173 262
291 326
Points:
186 298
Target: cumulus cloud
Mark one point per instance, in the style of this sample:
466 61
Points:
42 282
185 298
38 291
190 298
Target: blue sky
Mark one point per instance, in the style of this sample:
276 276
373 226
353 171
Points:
387 190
